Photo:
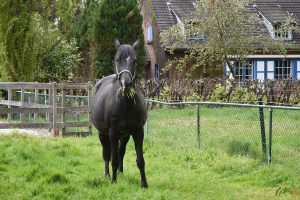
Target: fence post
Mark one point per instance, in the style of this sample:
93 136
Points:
90 106
63 105
36 101
262 128
270 134
22 101
147 120
198 125
54 101
9 106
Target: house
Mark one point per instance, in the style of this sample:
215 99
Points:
159 15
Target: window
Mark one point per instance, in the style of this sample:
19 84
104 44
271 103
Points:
156 71
243 71
283 69
239 71
196 36
149 34
281 34
264 70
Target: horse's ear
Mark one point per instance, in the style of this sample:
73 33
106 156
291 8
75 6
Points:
117 44
136 45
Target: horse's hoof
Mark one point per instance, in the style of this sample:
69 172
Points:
107 175
144 185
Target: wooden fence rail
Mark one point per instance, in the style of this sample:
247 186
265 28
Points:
55 104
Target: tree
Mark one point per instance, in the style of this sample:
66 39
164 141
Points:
227 27
116 20
29 32
60 64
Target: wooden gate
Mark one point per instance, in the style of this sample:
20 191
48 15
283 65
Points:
23 107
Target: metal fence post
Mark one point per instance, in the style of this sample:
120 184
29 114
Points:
198 125
262 128
147 121
270 135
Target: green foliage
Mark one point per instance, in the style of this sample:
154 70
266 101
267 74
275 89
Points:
60 64
99 25
28 34
165 93
239 95
193 96
219 93
117 20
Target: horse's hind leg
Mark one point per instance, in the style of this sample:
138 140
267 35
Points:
138 138
106 151
122 150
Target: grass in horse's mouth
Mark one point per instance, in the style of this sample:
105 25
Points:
128 92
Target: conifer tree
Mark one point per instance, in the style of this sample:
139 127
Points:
117 20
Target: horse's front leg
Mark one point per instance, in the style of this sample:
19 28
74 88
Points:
122 150
113 138
138 138
106 151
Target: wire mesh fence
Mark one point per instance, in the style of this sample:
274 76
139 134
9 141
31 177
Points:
266 133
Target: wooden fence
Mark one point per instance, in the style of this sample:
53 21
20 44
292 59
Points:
55 107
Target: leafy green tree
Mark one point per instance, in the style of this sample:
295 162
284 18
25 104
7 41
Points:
60 64
29 32
115 20
228 30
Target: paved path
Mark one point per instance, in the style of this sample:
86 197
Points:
34 132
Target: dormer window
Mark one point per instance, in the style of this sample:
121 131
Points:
198 36
280 34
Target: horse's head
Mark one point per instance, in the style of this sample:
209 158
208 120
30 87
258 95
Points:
125 61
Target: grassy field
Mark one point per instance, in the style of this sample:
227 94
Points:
229 164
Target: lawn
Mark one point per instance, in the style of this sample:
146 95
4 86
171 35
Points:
229 164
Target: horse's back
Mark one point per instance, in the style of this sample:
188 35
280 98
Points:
103 90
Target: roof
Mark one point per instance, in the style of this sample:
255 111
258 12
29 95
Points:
277 10
163 14
165 11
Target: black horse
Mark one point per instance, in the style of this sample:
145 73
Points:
119 111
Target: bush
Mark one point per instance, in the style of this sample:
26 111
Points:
219 93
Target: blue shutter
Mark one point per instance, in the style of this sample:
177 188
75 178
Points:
294 68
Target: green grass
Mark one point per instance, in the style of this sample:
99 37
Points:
229 164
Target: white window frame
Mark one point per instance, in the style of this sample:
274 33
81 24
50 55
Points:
149 34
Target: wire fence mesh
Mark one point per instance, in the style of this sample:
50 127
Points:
266 133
